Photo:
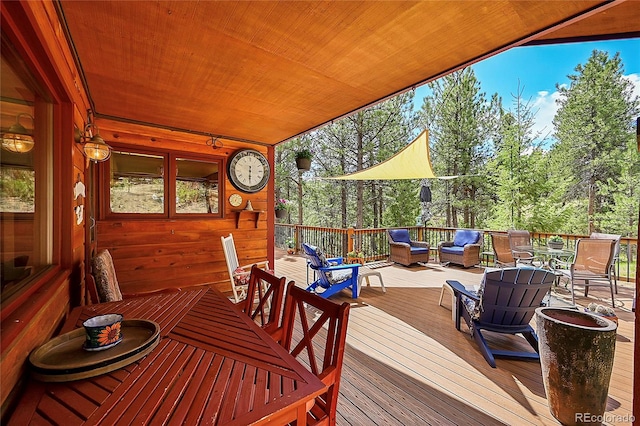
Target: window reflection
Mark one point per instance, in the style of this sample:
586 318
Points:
196 186
25 207
137 183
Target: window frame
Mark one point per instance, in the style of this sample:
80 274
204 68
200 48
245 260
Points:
170 188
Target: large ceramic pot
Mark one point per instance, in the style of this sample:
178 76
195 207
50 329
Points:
576 355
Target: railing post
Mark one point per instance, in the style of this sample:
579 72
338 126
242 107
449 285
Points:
421 234
296 238
350 238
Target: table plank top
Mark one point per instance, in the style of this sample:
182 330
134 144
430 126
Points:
213 365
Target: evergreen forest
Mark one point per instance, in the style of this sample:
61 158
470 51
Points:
587 180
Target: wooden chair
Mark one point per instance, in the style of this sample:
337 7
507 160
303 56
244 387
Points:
238 275
592 266
502 250
102 283
263 304
318 341
332 276
405 251
505 303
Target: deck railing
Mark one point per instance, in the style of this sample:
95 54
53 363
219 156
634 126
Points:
337 242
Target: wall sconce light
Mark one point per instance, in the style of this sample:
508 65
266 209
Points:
94 147
17 138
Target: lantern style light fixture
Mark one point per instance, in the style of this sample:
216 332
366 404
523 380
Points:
94 147
17 138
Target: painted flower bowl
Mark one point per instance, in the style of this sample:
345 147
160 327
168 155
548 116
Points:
102 332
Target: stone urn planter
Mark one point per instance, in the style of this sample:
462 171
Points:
576 355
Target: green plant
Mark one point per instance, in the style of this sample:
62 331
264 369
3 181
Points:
290 242
304 153
282 204
356 253
555 239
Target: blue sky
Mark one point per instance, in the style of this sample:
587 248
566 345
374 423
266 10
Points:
539 68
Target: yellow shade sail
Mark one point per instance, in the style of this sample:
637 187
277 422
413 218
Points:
412 162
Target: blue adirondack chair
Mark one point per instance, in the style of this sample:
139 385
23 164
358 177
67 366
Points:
332 276
505 303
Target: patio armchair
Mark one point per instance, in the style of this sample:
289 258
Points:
405 251
332 276
504 303
463 250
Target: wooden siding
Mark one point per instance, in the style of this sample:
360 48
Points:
405 363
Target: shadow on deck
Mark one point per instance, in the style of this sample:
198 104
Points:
405 363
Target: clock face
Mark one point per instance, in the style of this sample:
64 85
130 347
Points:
248 170
235 200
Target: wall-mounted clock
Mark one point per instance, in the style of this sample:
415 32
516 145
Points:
235 200
248 170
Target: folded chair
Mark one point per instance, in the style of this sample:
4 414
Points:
319 342
505 303
332 276
263 304
238 275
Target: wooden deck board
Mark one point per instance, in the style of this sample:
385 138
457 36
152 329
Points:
405 363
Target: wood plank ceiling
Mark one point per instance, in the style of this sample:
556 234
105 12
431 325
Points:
266 71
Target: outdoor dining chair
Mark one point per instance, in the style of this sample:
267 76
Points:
502 250
521 247
315 332
263 304
591 266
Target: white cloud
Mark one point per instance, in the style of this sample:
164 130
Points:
545 108
635 80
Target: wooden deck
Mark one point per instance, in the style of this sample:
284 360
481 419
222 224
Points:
406 364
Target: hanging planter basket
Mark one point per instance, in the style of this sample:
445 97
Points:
303 163
281 214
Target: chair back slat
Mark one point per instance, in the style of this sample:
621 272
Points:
315 331
263 304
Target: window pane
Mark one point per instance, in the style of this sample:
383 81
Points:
25 210
137 183
196 186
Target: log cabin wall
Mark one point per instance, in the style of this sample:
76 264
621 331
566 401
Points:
151 254
32 315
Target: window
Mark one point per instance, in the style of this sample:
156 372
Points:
26 211
138 184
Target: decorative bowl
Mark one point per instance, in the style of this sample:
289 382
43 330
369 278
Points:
102 332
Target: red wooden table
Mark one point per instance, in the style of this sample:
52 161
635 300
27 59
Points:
213 365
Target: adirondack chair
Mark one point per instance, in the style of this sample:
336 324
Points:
505 303
332 275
